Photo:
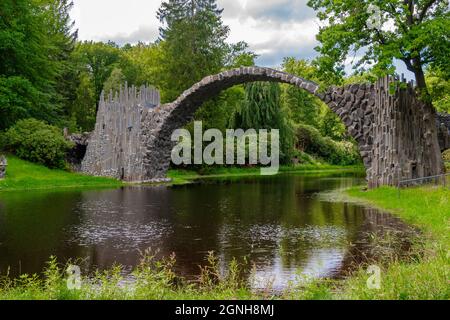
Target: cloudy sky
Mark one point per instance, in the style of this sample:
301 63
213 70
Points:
273 28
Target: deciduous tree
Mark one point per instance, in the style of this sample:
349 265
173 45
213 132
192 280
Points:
413 31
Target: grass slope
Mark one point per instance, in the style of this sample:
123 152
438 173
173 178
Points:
23 175
426 277
186 176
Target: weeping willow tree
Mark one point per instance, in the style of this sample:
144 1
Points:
261 109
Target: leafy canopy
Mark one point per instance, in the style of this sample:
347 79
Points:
193 38
262 108
36 39
36 141
413 31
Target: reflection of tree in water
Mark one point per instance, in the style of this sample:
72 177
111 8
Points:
328 226
277 222
271 222
382 238
117 226
32 229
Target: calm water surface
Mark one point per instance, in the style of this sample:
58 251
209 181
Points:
280 223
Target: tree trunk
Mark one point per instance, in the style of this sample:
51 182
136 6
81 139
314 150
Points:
420 79
419 75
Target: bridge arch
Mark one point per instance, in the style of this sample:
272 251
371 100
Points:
351 103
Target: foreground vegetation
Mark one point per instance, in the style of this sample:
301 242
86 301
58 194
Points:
423 274
23 175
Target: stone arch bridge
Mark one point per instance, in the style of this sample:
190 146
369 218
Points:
395 132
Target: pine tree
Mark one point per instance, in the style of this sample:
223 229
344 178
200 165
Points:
173 11
60 28
193 39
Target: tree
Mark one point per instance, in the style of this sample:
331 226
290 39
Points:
61 30
303 107
262 109
115 81
330 125
173 11
439 89
193 40
35 41
193 45
216 112
97 59
83 107
140 63
413 31
36 141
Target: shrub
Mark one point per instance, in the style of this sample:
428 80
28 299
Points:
35 141
310 140
446 155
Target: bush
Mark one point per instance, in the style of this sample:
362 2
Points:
310 140
35 141
446 155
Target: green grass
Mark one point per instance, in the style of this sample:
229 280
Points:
426 207
425 277
180 176
23 175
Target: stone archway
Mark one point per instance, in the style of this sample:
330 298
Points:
396 133
352 104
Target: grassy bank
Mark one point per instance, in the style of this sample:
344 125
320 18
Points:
423 275
187 176
426 275
23 175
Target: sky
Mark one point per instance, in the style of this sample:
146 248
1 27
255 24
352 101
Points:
274 29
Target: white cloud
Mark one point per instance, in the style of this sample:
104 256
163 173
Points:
110 19
273 29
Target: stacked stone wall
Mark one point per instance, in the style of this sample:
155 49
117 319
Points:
3 165
443 125
405 144
116 147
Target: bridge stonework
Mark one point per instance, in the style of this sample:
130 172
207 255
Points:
395 141
116 147
443 124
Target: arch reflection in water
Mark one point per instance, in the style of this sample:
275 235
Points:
279 223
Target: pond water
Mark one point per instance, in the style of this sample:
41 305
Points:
279 223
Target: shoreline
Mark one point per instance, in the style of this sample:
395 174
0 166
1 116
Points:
424 275
25 176
180 177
